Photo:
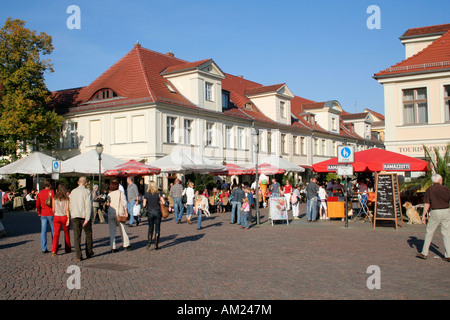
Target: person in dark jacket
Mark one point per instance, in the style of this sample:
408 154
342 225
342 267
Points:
236 201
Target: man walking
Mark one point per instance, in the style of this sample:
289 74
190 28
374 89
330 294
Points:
312 190
437 198
80 212
176 193
44 210
132 199
237 195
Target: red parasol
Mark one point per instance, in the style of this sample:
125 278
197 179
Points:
376 160
132 168
234 169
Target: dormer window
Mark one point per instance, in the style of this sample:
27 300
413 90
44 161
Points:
249 106
209 91
104 94
171 89
225 99
282 109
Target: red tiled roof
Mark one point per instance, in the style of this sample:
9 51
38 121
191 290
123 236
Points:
138 77
435 57
352 116
430 30
376 114
185 66
263 89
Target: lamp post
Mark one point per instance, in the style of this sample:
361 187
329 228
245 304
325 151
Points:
99 150
255 136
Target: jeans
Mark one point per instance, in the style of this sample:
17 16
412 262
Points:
178 208
244 219
130 206
311 209
295 209
199 219
189 210
154 222
45 222
236 207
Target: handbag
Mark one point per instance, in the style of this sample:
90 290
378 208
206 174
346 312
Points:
121 218
164 211
137 210
48 201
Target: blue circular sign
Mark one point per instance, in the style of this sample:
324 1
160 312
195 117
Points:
346 152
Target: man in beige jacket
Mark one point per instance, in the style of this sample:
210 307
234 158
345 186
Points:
80 213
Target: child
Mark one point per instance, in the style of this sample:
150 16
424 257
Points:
245 209
323 202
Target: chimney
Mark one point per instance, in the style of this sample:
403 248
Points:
170 54
137 44
241 76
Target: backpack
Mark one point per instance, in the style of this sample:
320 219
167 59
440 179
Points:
294 198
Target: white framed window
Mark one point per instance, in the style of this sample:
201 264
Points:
302 146
283 143
170 129
295 144
415 108
282 109
333 124
73 135
228 137
447 102
209 91
209 134
324 147
241 138
316 147
188 131
269 142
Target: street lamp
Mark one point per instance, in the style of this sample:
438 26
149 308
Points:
99 150
255 136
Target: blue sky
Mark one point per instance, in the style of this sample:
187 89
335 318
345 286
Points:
322 49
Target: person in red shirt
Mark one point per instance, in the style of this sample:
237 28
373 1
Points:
287 194
45 212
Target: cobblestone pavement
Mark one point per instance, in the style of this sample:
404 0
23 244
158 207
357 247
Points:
320 260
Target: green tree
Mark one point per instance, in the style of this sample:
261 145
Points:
25 117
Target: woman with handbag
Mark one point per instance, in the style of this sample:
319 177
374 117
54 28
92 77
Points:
117 215
153 200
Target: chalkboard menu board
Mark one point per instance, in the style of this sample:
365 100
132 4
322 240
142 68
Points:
388 204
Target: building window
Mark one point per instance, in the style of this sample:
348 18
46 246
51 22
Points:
447 102
415 108
282 109
316 147
170 128
73 135
333 124
187 131
209 134
334 149
269 142
104 94
283 143
228 137
209 91
324 148
302 146
240 138
225 99
295 144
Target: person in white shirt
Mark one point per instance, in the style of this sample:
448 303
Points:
323 202
190 194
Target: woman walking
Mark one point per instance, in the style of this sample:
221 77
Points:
60 208
152 201
190 194
117 206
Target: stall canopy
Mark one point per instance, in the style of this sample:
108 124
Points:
184 161
267 169
87 163
233 169
376 160
35 163
282 164
132 168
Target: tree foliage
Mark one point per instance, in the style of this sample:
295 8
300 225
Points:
25 117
